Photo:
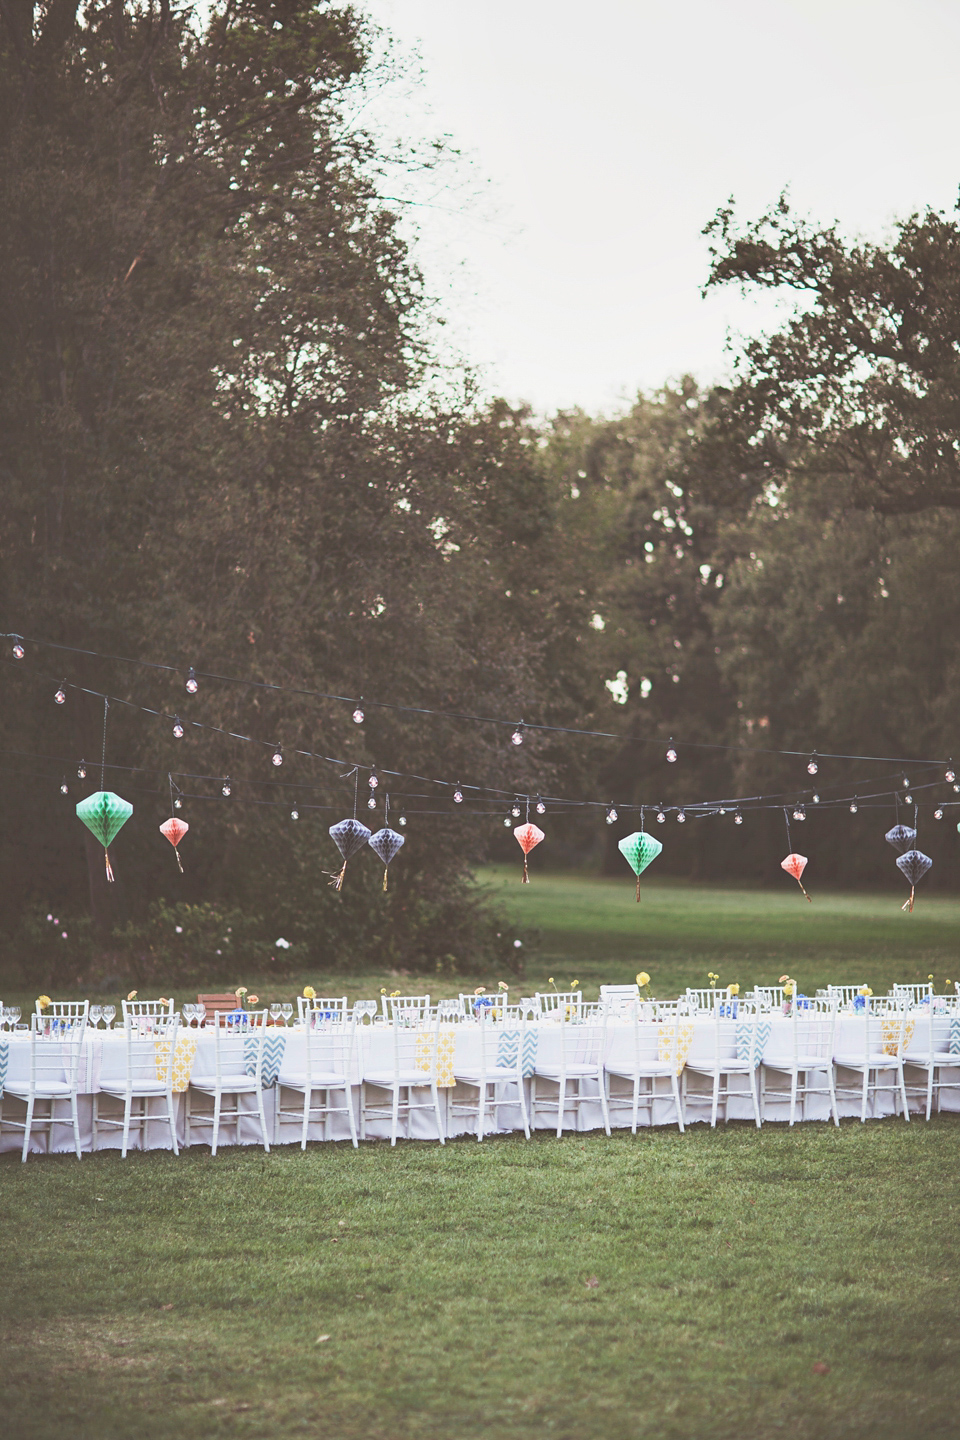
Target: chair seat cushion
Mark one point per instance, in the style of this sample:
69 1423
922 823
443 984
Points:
386 1079
877 1061
494 1072
45 1089
803 1062
140 1087
229 1084
553 1072
725 1067
318 1080
648 1071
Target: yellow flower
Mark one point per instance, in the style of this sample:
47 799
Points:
383 991
162 1000
574 984
310 994
733 989
394 993
44 1002
549 979
788 988
865 990
132 995
643 978
929 977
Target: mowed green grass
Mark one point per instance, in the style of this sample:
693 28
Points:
727 1284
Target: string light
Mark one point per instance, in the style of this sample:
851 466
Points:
906 783
177 728
950 774
797 814
458 796
277 756
956 788
225 787
515 811
812 766
660 817
18 651
373 782
816 798
178 803
611 815
671 755
294 813
682 818
507 821
191 681
938 814
358 713
853 806
541 808
738 818
908 799
64 787
61 695
372 803
402 821
517 737
82 770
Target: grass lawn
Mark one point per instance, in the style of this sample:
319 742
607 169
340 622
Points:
721 1284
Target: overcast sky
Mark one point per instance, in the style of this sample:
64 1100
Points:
602 136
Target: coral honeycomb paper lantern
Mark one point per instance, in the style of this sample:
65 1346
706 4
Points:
528 837
795 865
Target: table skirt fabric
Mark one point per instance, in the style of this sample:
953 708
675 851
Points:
103 1060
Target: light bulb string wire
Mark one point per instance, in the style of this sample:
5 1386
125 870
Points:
460 715
775 798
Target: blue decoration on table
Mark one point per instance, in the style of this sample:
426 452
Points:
859 1002
507 1049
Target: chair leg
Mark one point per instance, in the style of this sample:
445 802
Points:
396 1114
561 1104
173 1123
436 1111
716 1099
753 1096
363 1111
217 1101
306 1117
794 1078
533 1100
95 1123
481 1106
28 1125
903 1093
186 1118
604 1107
929 1089
127 1106
263 1119
676 1100
75 1112
635 1113
348 1096
863 1103
832 1082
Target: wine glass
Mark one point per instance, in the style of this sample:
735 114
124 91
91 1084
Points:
287 1010
109 1014
14 1013
276 1010
96 1014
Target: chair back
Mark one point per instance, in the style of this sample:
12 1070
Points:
912 994
413 1008
619 999
415 1042
582 1040
238 1041
69 1010
328 1046
147 1008
813 1025
318 1013
846 994
705 999
499 1046
221 1003
151 1042
493 1004
56 1044
559 1004
768 997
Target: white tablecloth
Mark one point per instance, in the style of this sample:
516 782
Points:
103 1059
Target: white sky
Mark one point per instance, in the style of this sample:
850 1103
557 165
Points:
605 135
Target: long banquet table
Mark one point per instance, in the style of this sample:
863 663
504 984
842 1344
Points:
103 1059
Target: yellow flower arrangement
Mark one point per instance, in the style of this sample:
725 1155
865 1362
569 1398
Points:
240 991
574 984
502 985
253 999
783 979
132 995
643 979
480 990
733 990
788 988
864 990
310 994
44 1002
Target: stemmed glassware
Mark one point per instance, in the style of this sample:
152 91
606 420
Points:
276 1010
366 1007
109 1013
14 1016
287 1010
96 1014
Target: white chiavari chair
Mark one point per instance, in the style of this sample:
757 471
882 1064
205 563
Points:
493 1065
580 1060
735 1053
415 1044
882 1030
493 1003
844 994
812 1029
322 1008
912 994
329 1038
929 1048
768 997
238 1041
550 1003
56 1046
705 999
150 1041
147 1009
653 1056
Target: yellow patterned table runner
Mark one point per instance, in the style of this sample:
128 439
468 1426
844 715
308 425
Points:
444 1054
684 1041
890 1029
183 1058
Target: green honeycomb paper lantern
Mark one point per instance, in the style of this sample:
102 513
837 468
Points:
638 850
104 814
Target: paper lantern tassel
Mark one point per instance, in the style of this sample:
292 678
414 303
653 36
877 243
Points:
104 814
639 849
527 837
795 865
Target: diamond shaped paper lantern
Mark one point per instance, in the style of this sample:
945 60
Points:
795 865
174 830
638 850
913 866
104 815
386 843
901 837
350 836
528 837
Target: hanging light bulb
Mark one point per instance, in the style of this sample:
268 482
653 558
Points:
682 818
801 813
358 714
178 803
906 783
177 728
541 808
515 811
722 810
458 796
517 737
950 774
816 798
372 803
507 821
671 755
373 782
908 799
957 788
738 818
64 787
796 813
812 766
402 821
191 681
853 806
17 648
938 814
294 813
61 694
661 817
82 770
611 815
225 787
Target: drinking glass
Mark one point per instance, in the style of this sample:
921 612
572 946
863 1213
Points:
109 1013
14 1013
96 1014
287 1010
5 1018
276 1010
